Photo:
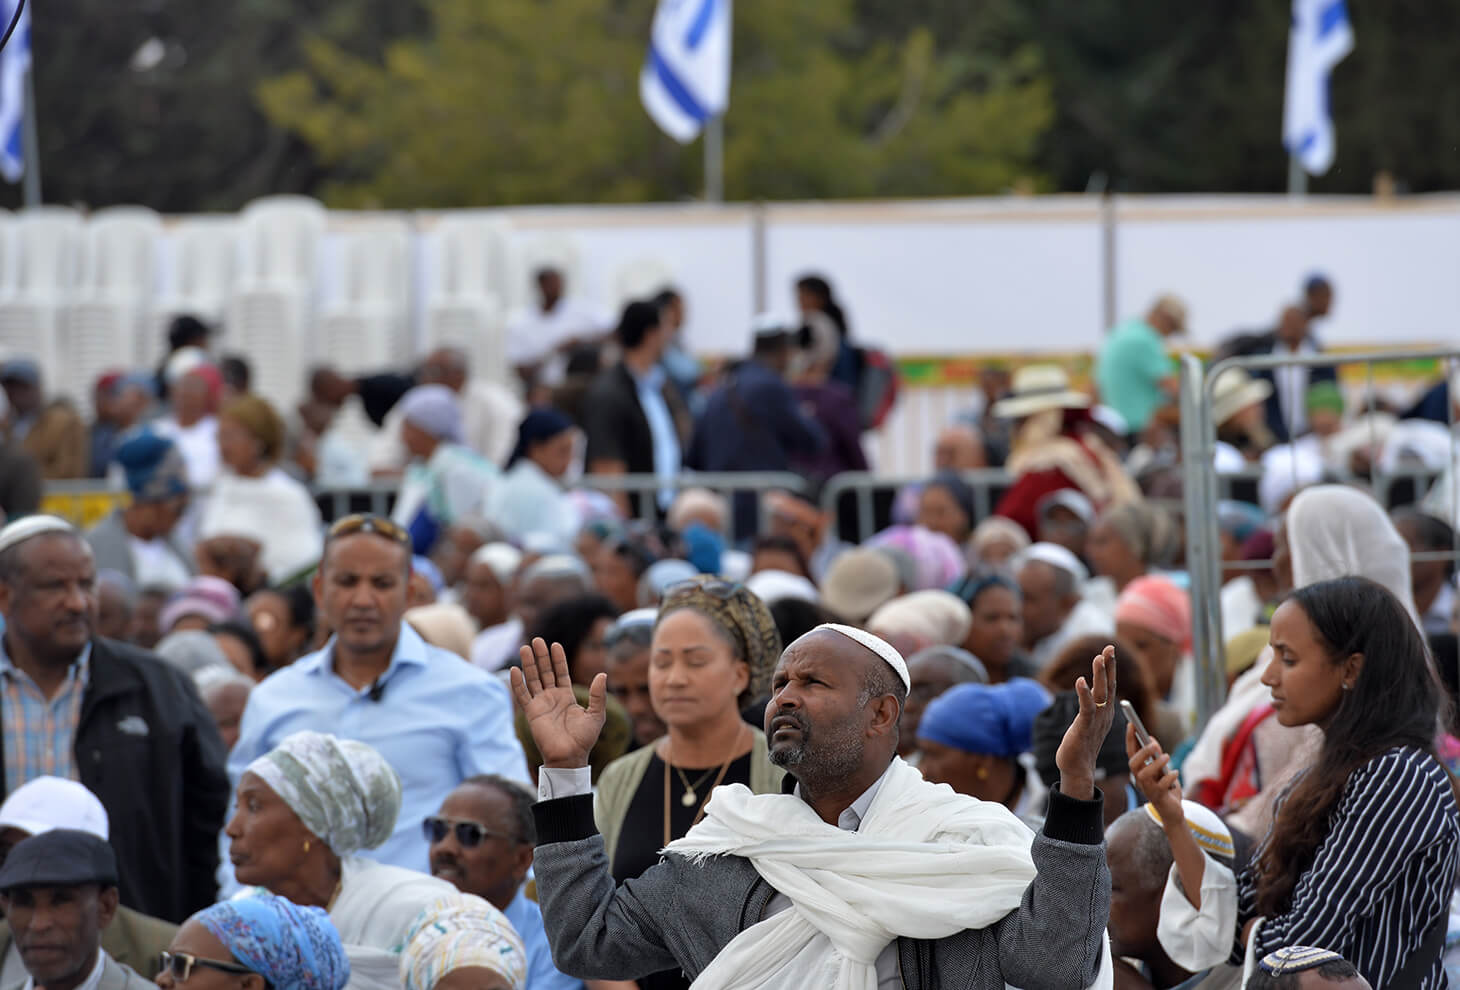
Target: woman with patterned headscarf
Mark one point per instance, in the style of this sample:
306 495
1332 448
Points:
305 810
715 646
287 947
463 943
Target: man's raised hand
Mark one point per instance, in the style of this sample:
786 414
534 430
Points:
564 730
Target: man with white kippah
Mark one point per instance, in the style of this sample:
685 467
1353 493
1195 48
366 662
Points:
122 721
1051 580
132 939
1300 967
860 875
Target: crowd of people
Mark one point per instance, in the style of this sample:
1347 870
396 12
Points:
244 744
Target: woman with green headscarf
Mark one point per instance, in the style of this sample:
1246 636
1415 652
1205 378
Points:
715 646
305 810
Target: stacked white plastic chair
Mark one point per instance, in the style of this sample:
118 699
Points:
271 314
366 326
111 312
467 276
204 264
641 279
40 270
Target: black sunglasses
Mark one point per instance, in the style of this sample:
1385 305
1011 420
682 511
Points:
180 965
468 834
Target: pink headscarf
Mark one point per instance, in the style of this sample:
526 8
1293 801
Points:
1155 603
937 561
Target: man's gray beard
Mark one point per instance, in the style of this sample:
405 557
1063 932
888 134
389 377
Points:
832 760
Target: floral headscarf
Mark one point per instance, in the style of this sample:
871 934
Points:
342 790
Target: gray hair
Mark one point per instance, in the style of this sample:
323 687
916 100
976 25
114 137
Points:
192 651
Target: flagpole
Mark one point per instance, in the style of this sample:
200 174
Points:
1297 177
715 159
32 178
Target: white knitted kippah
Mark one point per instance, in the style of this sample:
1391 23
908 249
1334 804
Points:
30 527
877 645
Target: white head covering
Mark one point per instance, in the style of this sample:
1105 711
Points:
1286 469
456 932
435 409
876 644
1334 531
51 802
30 527
932 617
1210 832
502 558
775 586
1055 556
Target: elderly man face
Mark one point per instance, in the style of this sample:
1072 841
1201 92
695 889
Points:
1049 596
58 929
485 841
833 713
959 448
1136 858
48 596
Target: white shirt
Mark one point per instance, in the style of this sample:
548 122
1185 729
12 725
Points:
495 647
92 981
555 783
1292 387
155 563
528 500
533 334
198 445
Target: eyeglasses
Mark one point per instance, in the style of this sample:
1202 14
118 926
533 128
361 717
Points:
180 965
362 522
468 834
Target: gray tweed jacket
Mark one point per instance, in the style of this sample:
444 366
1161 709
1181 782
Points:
679 915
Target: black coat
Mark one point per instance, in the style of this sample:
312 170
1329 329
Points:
147 747
1266 343
618 429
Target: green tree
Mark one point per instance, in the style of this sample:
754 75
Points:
506 103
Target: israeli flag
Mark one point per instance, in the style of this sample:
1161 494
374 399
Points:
14 67
1320 39
686 77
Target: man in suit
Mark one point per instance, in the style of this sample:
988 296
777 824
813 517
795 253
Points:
124 722
59 891
49 803
633 418
1292 337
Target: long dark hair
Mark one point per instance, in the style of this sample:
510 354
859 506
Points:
1394 702
819 287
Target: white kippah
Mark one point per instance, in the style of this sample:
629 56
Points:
877 645
30 527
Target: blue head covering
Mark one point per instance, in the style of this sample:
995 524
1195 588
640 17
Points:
293 947
989 720
1241 519
703 547
426 566
539 425
435 409
154 467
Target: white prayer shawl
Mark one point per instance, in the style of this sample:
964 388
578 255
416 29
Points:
926 863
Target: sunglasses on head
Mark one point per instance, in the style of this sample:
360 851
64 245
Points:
713 586
469 835
180 965
363 522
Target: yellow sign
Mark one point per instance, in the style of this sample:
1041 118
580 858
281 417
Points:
83 510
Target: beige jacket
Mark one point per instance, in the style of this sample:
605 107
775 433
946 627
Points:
621 780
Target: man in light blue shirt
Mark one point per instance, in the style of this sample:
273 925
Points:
437 719
482 842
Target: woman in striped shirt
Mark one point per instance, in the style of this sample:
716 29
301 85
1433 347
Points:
1363 851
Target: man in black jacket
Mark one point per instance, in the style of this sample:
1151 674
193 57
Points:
634 419
121 720
1287 404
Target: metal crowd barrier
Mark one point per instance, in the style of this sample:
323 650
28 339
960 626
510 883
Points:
1201 493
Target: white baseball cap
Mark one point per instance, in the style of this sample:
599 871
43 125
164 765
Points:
48 803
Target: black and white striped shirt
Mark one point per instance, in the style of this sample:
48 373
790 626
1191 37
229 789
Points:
1381 878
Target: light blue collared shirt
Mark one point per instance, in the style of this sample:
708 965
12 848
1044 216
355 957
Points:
526 917
650 387
439 720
